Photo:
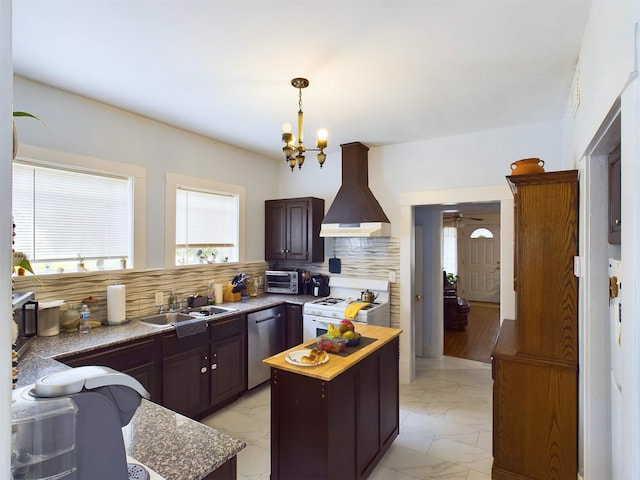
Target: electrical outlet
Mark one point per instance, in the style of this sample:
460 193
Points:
159 300
392 276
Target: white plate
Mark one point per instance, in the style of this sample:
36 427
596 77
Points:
294 358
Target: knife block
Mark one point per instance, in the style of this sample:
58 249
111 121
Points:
229 296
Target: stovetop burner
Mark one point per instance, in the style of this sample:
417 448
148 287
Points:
329 301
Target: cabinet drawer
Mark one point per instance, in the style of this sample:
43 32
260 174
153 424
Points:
228 327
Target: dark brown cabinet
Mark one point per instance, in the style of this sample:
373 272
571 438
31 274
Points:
339 428
294 325
185 373
204 371
615 197
534 360
136 358
228 360
292 229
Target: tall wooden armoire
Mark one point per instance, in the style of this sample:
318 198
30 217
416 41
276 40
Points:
535 358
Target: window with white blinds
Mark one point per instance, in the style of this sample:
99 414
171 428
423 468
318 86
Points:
62 216
207 224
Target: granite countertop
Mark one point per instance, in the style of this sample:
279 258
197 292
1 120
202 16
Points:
373 338
173 445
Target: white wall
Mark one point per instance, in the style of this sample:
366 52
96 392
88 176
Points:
605 74
79 125
6 142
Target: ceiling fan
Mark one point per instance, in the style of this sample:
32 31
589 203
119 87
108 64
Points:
460 218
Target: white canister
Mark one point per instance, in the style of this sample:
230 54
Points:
49 318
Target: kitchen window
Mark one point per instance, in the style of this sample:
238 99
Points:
74 216
205 217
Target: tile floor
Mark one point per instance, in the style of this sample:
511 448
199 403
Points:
445 425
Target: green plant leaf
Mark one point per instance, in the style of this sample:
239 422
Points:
27 114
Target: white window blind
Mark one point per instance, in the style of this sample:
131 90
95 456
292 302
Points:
62 214
206 219
450 250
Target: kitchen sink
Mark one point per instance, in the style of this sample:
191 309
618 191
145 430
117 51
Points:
208 311
168 318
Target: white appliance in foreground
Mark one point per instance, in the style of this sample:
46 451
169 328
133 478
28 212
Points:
318 314
615 317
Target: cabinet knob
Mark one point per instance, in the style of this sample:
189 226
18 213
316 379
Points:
214 366
618 221
203 370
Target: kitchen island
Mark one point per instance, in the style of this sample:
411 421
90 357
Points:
335 420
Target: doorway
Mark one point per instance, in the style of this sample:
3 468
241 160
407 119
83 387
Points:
412 206
472 257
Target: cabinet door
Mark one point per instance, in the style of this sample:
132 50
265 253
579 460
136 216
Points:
228 371
228 366
294 325
367 412
615 197
275 242
298 230
185 370
389 393
136 358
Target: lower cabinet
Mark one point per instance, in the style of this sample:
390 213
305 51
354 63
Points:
294 325
136 358
337 429
204 371
228 360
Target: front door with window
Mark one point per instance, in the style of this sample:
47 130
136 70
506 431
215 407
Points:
481 263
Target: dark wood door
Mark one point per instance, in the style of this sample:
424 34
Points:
368 413
389 394
136 358
615 197
185 370
275 242
228 370
294 325
297 230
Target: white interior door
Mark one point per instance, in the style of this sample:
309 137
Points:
480 277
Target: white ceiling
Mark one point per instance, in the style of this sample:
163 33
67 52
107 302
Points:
381 71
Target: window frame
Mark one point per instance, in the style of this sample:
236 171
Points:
46 157
172 182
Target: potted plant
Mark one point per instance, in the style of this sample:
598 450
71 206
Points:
15 132
452 279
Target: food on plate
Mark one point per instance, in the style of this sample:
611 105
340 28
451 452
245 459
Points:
315 356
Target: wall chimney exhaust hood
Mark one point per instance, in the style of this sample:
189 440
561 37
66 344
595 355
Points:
355 212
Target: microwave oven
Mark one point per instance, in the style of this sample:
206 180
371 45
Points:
282 281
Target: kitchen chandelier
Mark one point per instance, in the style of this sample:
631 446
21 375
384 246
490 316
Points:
294 154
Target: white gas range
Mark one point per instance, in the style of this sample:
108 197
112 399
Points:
318 314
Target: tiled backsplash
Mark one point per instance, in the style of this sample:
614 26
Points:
365 257
141 285
360 257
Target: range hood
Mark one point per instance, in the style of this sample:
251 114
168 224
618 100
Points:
355 212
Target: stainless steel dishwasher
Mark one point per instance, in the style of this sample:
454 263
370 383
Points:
266 337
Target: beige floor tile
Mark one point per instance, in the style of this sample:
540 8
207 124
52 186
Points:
445 425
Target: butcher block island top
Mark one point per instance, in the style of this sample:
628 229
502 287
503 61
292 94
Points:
337 419
373 338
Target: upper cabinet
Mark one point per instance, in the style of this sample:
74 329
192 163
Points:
292 229
615 197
